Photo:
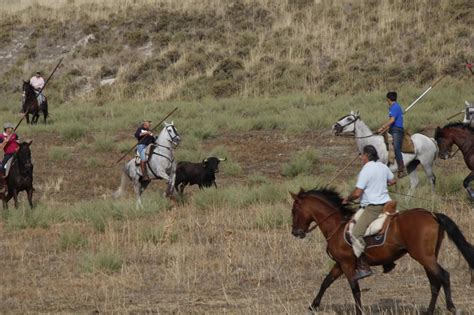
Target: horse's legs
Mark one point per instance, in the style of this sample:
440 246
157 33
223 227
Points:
27 115
137 186
437 277
413 182
15 198
349 271
466 183
428 167
328 280
30 197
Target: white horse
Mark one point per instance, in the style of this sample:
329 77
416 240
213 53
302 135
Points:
160 164
426 148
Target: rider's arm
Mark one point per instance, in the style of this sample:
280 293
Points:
392 182
356 194
386 125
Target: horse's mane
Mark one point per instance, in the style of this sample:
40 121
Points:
458 124
331 195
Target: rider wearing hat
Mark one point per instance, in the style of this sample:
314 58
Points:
8 142
37 82
144 137
372 190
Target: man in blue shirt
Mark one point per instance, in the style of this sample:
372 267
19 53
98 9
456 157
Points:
395 125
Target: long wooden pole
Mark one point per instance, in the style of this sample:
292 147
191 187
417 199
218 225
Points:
150 130
341 170
424 93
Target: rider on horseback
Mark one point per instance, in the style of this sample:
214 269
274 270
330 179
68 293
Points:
395 126
144 137
9 145
37 82
372 190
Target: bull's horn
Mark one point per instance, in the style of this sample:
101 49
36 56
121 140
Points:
224 159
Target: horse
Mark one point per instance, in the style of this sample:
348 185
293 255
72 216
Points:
20 176
425 154
160 164
462 136
30 104
417 232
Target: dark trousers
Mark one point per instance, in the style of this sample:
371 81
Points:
397 135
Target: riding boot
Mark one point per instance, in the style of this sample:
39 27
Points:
144 172
362 269
401 172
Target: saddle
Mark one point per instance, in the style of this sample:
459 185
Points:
376 233
148 151
407 143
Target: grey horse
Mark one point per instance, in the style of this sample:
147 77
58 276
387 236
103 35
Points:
425 154
160 164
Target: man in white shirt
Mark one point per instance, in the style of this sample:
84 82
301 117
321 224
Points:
37 82
371 188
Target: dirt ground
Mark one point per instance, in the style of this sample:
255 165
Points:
220 265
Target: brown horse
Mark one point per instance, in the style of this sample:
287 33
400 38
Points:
463 136
417 232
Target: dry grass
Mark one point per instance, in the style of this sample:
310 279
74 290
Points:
280 47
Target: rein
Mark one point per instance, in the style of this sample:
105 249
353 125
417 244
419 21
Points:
352 135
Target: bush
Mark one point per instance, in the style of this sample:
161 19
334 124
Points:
59 154
302 162
72 239
74 132
106 260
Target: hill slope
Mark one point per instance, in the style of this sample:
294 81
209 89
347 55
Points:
239 48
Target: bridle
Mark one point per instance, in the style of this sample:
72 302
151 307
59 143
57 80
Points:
174 139
310 229
352 134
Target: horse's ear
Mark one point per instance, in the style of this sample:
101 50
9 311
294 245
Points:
28 142
352 112
294 196
357 113
172 123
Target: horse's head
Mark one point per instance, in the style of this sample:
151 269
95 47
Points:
172 133
445 142
24 154
301 217
346 124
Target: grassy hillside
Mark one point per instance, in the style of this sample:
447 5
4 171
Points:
191 49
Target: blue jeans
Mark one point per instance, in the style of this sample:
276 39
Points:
397 134
141 148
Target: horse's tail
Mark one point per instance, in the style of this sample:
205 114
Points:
123 182
455 234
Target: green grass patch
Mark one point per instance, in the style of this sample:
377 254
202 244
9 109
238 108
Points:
72 239
301 163
105 260
59 154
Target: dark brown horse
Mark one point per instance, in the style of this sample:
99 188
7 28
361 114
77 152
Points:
30 104
463 137
20 177
417 232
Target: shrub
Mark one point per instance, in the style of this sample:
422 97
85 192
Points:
271 218
74 132
59 154
106 260
302 162
72 239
